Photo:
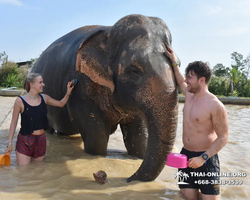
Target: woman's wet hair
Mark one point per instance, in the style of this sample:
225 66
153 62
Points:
30 78
201 69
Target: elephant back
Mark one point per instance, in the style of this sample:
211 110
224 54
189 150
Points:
57 66
57 62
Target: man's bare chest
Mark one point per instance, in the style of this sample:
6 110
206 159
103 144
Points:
196 112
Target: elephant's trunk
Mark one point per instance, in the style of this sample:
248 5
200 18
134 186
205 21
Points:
162 126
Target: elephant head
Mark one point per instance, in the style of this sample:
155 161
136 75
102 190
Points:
128 58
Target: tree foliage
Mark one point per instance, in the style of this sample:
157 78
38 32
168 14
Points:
10 74
3 58
219 70
232 80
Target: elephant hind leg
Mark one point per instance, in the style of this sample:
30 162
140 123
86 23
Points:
135 137
95 137
97 145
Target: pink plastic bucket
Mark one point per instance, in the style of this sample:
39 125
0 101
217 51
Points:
177 160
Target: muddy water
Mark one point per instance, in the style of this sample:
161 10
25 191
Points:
67 172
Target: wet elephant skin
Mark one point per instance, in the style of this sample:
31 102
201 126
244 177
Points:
124 78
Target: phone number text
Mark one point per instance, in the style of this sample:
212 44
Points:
219 182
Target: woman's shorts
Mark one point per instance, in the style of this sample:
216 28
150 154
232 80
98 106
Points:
31 145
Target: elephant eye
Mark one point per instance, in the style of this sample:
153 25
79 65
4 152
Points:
134 72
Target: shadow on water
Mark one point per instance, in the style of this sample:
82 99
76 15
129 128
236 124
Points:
67 173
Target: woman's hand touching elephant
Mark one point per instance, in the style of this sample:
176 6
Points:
70 86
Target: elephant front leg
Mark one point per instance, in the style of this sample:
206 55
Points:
135 137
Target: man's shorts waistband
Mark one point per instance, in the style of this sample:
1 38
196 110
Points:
192 153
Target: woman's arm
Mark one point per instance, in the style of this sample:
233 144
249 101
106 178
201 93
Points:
13 124
60 103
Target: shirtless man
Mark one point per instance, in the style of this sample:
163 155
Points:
205 129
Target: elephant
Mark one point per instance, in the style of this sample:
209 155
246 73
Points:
123 78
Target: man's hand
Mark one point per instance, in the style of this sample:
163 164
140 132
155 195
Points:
196 162
170 53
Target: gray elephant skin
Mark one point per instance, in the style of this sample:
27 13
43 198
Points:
124 78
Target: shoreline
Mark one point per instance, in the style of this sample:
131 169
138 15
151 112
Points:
224 100
12 93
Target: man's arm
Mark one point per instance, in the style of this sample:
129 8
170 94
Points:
179 77
220 124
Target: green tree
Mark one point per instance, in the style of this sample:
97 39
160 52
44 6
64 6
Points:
232 80
219 70
10 74
3 58
239 63
248 66
219 85
6 69
245 90
237 73
235 76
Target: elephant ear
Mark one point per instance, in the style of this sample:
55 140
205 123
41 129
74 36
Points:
93 61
